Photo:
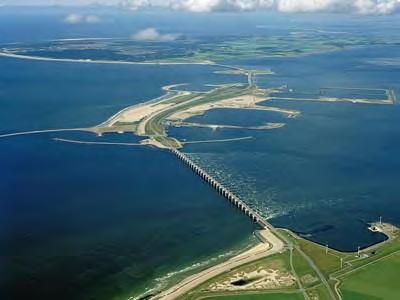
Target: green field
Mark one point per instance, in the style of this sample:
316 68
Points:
303 270
375 275
379 280
282 296
326 262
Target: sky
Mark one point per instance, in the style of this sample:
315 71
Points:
366 7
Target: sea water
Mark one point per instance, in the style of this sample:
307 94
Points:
105 222
329 172
99 222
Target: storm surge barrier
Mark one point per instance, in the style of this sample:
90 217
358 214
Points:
231 197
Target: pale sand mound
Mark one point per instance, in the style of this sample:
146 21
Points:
241 102
137 114
271 245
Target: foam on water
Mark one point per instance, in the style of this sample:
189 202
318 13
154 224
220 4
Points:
243 185
163 282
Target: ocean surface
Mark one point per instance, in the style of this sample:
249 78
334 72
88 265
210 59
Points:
98 222
329 172
105 222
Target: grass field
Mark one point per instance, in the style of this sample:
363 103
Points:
305 273
379 280
326 262
282 296
372 276
319 292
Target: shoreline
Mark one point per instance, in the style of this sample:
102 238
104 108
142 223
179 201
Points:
100 61
248 101
164 281
268 245
370 247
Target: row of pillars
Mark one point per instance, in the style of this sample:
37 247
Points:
219 187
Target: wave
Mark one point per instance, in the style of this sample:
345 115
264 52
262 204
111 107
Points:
162 282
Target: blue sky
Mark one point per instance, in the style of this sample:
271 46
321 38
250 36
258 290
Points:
55 2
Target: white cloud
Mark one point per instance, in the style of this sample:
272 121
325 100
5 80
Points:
376 6
195 6
308 6
220 5
153 35
73 19
287 6
347 6
78 19
136 4
354 6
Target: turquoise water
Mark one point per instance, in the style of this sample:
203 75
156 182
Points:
101 222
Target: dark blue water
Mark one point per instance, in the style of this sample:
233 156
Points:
37 95
330 171
102 222
99 222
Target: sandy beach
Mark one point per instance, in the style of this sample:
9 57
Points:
270 245
100 61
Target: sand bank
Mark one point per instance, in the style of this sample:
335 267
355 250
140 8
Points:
270 245
100 61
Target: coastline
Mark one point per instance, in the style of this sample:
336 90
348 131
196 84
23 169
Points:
179 273
268 245
90 61
370 247
375 245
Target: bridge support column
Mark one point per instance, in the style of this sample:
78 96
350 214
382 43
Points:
221 189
